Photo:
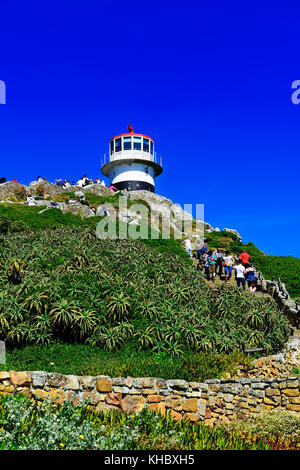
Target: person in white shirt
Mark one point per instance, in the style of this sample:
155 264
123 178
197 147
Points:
80 183
228 261
188 245
239 274
102 183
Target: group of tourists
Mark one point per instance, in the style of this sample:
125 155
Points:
85 181
212 263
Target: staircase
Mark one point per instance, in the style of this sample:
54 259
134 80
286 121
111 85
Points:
231 282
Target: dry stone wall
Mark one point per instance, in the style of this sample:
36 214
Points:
278 290
210 401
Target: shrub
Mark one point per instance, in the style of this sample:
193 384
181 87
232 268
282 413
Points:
278 423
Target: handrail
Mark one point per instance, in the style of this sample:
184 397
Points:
156 158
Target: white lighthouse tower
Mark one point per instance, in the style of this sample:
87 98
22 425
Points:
132 163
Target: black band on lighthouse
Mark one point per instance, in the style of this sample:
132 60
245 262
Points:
134 185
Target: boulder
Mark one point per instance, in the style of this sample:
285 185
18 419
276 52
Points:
230 230
48 189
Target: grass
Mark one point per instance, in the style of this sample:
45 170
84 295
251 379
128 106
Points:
18 217
49 219
80 359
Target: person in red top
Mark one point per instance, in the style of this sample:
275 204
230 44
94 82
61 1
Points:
245 258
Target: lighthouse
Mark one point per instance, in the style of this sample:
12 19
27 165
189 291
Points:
132 162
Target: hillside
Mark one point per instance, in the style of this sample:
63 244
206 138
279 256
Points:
140 304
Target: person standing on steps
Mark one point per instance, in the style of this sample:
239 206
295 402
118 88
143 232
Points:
249 274
198 252
239 274
219 262
228 262
188 246
244 257
212 259
204 248
205 265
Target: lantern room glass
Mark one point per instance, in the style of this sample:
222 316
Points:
127 143
145 145
137 143
118 145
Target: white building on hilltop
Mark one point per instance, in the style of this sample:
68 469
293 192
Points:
132 163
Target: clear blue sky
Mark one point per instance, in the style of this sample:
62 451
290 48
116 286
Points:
209 81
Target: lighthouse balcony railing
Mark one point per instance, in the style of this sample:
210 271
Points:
156 158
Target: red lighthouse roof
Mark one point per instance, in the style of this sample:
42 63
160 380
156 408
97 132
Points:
131 132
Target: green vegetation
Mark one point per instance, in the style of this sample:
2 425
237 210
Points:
287 268
18 217
277 423
83 359
130 299
27 426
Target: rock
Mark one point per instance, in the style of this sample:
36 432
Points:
48 189
192 417
290 392
230 230
10 187
113 399
103 384
160 383
58 396
97 189
56 380
76 208
145 382
79 195
175 415
190 404
133 403
129 381
26 392
73 382
92 397
195 385
157 408
88 382
177 384
20 378
119 381
174 402
3 374
154 398
104 408
38 378
40 394
293 407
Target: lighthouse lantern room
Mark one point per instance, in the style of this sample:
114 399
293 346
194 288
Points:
132 163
